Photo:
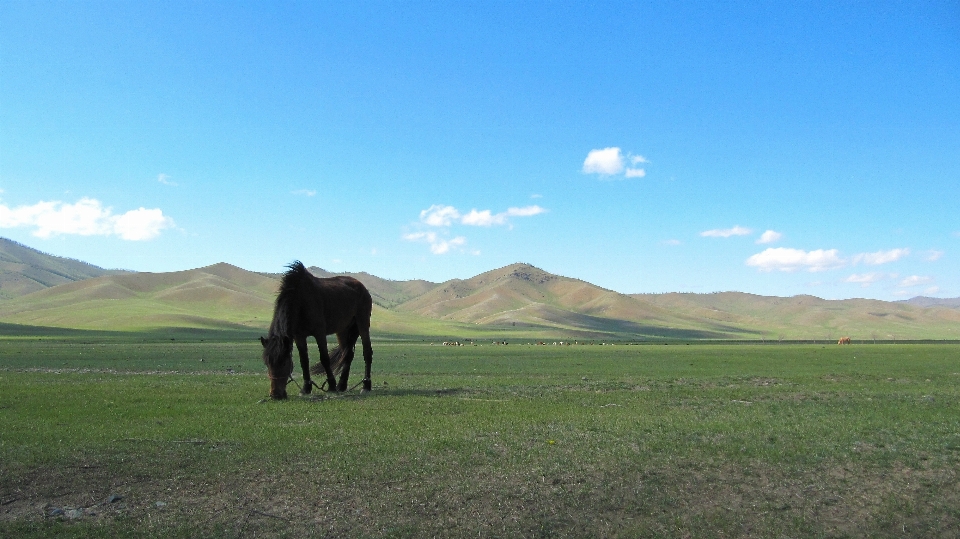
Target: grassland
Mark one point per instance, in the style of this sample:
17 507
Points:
489 441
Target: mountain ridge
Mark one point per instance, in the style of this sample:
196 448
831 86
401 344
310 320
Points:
519 299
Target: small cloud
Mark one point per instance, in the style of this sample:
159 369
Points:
865 279
933 256
87 217
915 280
140 224
483 218
536 196
438 215
726 232
526 211
165 180
670 242
784 259
880 257
956 234
488 218
932 290
438 245
769 236
606 162
611 162
304 192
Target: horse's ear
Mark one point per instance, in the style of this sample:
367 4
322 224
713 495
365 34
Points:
263 342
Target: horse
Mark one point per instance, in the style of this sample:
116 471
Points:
308 306
844 340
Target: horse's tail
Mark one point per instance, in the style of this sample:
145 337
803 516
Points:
336 363
339 354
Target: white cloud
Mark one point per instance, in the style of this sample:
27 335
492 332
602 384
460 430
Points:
304 192
438 215
726 232
531 196
611 162
526 211
880 257
141 224
915 280
606 162
87 217
483 218
933 256
784 259
865 279
438 245
769 236
165 180
671 242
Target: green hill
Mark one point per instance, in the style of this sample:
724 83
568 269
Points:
809 317
218 296
24 270
517 301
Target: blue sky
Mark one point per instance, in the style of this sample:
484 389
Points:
768 147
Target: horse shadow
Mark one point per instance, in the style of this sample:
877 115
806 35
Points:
391 392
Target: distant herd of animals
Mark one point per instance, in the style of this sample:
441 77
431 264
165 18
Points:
309 306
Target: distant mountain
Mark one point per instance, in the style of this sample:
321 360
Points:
524 296
386 293
217 296
923 301
515 301
811 317
24 270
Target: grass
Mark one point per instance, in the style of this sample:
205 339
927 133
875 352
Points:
489 441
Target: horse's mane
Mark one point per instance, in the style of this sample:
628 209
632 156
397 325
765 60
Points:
286 309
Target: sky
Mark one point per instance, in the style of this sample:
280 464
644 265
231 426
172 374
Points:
776 148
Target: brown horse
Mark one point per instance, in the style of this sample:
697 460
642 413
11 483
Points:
844 340
308 306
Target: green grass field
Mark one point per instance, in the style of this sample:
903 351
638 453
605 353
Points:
480 441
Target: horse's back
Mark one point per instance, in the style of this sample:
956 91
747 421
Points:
346 290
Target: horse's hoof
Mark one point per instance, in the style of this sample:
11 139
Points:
367 386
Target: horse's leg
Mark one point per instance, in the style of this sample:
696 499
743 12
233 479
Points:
325 362
304 364
347 340
367 355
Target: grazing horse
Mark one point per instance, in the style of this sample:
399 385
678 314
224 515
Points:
308 306
844 340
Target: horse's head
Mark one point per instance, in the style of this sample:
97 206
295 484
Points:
278 357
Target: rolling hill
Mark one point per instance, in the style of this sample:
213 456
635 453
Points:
24 270
516 301
809 317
